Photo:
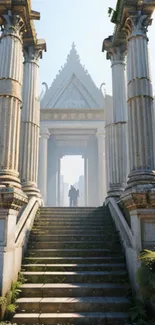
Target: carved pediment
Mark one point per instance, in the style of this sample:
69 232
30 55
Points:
73 87
71 98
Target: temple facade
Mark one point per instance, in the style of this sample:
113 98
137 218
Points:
73 123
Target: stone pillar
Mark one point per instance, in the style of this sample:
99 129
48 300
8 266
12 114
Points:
58 182
52 173
43 155
93 187
140 104
109 141
101 166
86 180
30 121
139 195
11 75
118 127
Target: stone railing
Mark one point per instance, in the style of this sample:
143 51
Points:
12 253
23 229
127 239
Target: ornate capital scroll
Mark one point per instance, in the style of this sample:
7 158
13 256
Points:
137 25
114 53
33 53
12 24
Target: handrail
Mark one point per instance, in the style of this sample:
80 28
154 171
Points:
30 210
121 223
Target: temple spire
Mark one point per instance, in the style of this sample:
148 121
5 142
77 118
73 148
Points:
73 55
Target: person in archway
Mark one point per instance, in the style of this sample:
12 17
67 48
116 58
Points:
72 196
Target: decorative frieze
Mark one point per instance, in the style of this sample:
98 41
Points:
72 115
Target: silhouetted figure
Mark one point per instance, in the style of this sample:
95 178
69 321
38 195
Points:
72 195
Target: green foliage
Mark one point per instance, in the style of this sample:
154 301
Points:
138 313
3 301
146 275
21 278
110 11
11 309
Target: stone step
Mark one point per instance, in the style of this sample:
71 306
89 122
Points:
72 217
72 267
77 260
73 244
76 227
72 223
73 290
89 318
63 305
68 238
53 231
73 252
73 277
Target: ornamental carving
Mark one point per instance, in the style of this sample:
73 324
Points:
72 116
12 23
137 24
72 98
34 53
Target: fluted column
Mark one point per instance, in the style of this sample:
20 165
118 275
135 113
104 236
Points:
101 166
140 103
86 180
118 132
30 121
11 74
109 148
43 155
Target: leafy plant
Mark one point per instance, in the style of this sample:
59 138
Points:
146 275
110 11
3 301
138 313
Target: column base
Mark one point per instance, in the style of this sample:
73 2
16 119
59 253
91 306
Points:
12 198
116 190
144 178
10 178
140 202
31 190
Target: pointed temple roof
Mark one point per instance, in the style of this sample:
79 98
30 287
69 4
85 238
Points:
73 87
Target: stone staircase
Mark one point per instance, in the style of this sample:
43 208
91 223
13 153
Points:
74 269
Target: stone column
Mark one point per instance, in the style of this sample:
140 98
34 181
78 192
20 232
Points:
43 155
101 166
140 103
52 173
139 195
11 75
58 181
119 120
93 187
86 180
109 141
30 120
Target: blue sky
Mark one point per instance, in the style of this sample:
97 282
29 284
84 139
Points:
85 22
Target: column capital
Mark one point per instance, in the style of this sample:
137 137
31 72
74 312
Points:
137 24
44 132
32 53
12 24
115 53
